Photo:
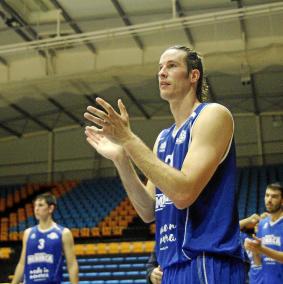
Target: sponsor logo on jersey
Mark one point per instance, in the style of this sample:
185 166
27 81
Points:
271 240
53 236
40 257
161 201
39 274
182 137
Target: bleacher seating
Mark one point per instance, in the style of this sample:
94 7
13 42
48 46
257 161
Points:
92 208
111 269
100 208
251 183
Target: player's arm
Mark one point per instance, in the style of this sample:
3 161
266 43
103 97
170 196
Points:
274 254
71 260
18 275
250 221
142 196
211 136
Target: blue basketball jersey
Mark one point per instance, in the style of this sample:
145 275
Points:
44 256
209 225
271 234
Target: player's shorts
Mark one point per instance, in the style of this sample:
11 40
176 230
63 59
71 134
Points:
206 269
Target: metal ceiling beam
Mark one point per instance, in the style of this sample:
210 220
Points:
242 24
65 111
180 12
254 96
133 99
19 19
16 18
81 87
91 98
72 23
127 22
252 82
3 61
31 117
10 130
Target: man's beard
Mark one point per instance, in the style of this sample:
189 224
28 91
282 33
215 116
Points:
274 209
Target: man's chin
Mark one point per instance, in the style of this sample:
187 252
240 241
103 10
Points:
164 95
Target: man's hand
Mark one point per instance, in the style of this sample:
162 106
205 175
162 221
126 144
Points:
253 245
112 125
156 275
253 219
103 145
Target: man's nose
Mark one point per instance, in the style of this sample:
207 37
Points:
162 73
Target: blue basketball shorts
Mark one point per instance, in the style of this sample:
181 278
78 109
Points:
206 269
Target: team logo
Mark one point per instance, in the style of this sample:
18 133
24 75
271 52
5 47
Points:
33 236
162 147
53 236
182 137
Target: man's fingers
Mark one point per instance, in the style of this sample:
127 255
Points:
122 109
97 120
91 132
106 106
97 112
91 142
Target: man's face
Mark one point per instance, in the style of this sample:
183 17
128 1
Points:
42 210
173 77
273 200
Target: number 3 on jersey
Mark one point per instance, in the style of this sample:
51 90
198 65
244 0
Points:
41 244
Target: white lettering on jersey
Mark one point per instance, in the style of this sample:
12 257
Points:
40 257
39 274
271 240
167 234
161 201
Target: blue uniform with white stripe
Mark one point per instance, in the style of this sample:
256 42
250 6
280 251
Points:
44 256
207 232
271 234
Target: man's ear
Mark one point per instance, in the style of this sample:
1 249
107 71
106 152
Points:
195 74
51 208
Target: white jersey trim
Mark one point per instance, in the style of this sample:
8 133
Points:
204 269
185 233
275 222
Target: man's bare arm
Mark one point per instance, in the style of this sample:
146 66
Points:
211 136
69 251
18 275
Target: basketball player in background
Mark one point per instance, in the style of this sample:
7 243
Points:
269 240
44 248
191 175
